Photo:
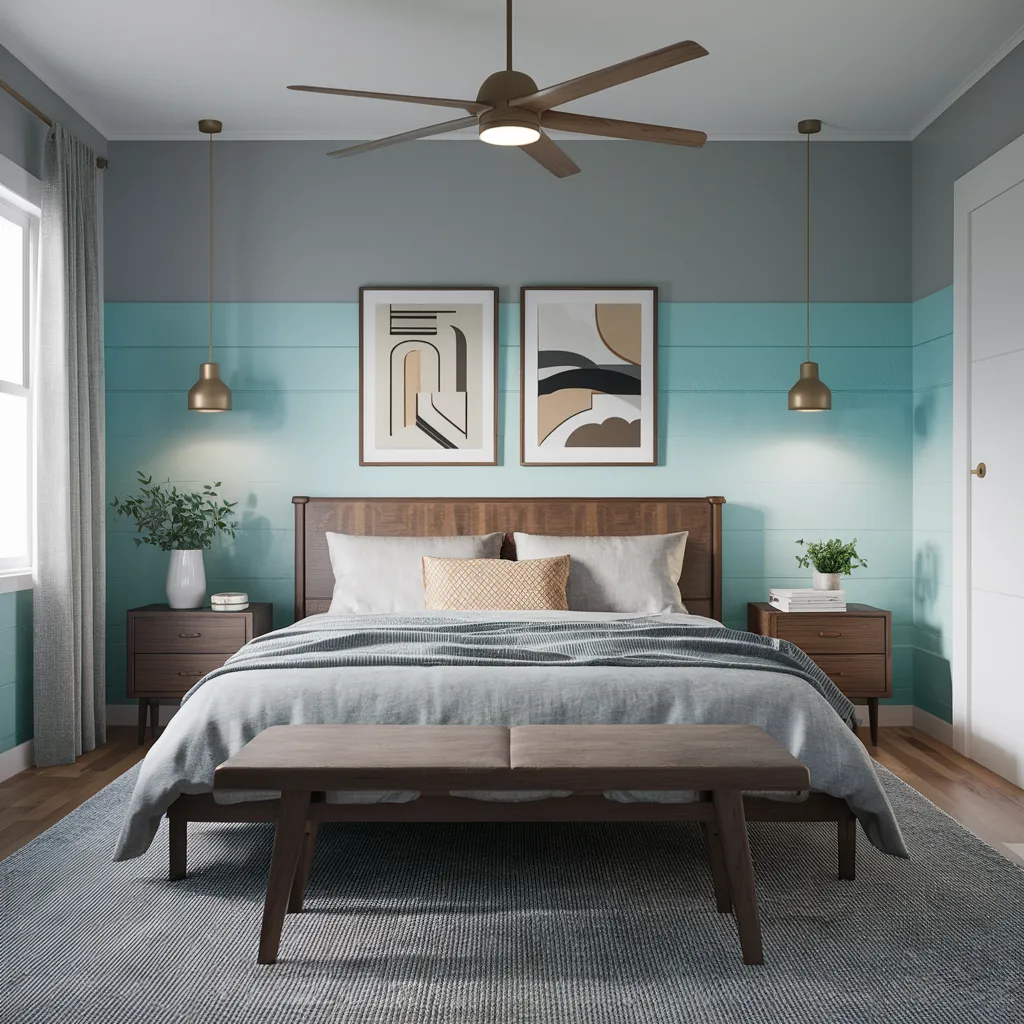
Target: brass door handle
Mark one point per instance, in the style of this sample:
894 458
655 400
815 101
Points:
980 471
829 635
189 636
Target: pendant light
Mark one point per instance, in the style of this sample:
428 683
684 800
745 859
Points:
210 393
809 393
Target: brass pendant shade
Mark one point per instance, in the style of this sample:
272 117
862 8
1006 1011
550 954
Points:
210 393
809 393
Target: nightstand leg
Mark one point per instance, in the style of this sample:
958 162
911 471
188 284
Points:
143 712
873 719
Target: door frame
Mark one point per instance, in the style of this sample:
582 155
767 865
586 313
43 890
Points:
989 180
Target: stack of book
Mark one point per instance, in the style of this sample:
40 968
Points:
807 600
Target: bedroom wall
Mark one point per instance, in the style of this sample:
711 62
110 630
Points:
720 232
985 119
21 141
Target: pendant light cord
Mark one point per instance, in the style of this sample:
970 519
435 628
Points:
508 34
807 268
211 247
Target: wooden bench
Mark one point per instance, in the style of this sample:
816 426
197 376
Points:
718 761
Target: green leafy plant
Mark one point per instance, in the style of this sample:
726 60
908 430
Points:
830 556
174 520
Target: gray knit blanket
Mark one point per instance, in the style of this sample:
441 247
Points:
651 642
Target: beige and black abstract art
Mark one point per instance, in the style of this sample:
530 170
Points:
428 376
589 382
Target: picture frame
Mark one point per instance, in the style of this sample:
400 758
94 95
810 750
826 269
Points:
588 339
428 376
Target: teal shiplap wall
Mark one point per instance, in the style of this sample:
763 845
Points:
932 319
15 669
724 370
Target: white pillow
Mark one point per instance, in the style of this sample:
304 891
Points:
382 575
616 574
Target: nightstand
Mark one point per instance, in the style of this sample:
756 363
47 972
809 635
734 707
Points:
169 651
853 648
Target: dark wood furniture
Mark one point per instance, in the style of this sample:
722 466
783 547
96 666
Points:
700 587
720 761
170 650
853 648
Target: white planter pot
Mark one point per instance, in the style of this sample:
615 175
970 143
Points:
828 580
186 579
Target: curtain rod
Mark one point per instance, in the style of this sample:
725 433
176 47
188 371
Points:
101 161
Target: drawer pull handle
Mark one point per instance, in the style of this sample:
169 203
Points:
834 673
194 675
189 636
831 635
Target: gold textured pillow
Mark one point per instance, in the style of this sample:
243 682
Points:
495 584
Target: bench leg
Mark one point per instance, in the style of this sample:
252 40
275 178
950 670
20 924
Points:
847 845
291 829
732 827
302 870
177 846
716 858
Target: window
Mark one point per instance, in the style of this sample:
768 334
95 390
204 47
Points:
19 232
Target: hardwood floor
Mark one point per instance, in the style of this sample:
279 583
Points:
981 801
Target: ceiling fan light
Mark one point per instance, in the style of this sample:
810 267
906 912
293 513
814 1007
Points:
509 135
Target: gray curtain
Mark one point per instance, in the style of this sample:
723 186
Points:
69 591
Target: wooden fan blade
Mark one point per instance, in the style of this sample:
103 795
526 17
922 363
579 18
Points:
416 133
551 156
431 101
563 121
638 67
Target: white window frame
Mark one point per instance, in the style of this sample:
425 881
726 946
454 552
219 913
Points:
20 197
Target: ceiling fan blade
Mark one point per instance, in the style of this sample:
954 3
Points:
431 101
416 133
551 156
627 71
563 121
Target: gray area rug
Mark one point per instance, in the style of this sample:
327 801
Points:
510 923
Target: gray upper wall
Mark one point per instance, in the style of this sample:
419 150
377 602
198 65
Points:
725 223
989 116
21 132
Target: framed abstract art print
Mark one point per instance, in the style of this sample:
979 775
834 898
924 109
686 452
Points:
428 374
589 391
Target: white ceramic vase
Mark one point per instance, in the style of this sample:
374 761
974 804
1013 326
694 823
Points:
186 579
828 580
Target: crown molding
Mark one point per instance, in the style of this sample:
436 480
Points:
972 79
828 135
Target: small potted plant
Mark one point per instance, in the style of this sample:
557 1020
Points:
832 560
183 523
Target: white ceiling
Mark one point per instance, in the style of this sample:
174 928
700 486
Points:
143 69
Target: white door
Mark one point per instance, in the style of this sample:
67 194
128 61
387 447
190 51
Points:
994 321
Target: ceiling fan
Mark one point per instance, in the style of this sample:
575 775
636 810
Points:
511 111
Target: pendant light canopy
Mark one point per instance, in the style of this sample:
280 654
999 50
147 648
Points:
809 393
210 393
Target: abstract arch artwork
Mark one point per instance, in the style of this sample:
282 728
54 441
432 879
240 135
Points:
589 376
428 368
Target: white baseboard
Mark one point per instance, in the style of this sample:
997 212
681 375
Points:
934 727
17 759
888 714
128 714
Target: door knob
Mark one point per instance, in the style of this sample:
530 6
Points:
980 471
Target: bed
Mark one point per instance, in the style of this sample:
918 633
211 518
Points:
229 707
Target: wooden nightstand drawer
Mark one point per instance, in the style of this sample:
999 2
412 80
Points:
833 633
173 673
858 674
222 633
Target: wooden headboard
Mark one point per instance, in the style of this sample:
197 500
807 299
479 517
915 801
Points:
700 585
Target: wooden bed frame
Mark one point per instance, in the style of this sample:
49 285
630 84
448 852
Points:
700 587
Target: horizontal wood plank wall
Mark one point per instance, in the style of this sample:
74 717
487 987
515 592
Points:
723 424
